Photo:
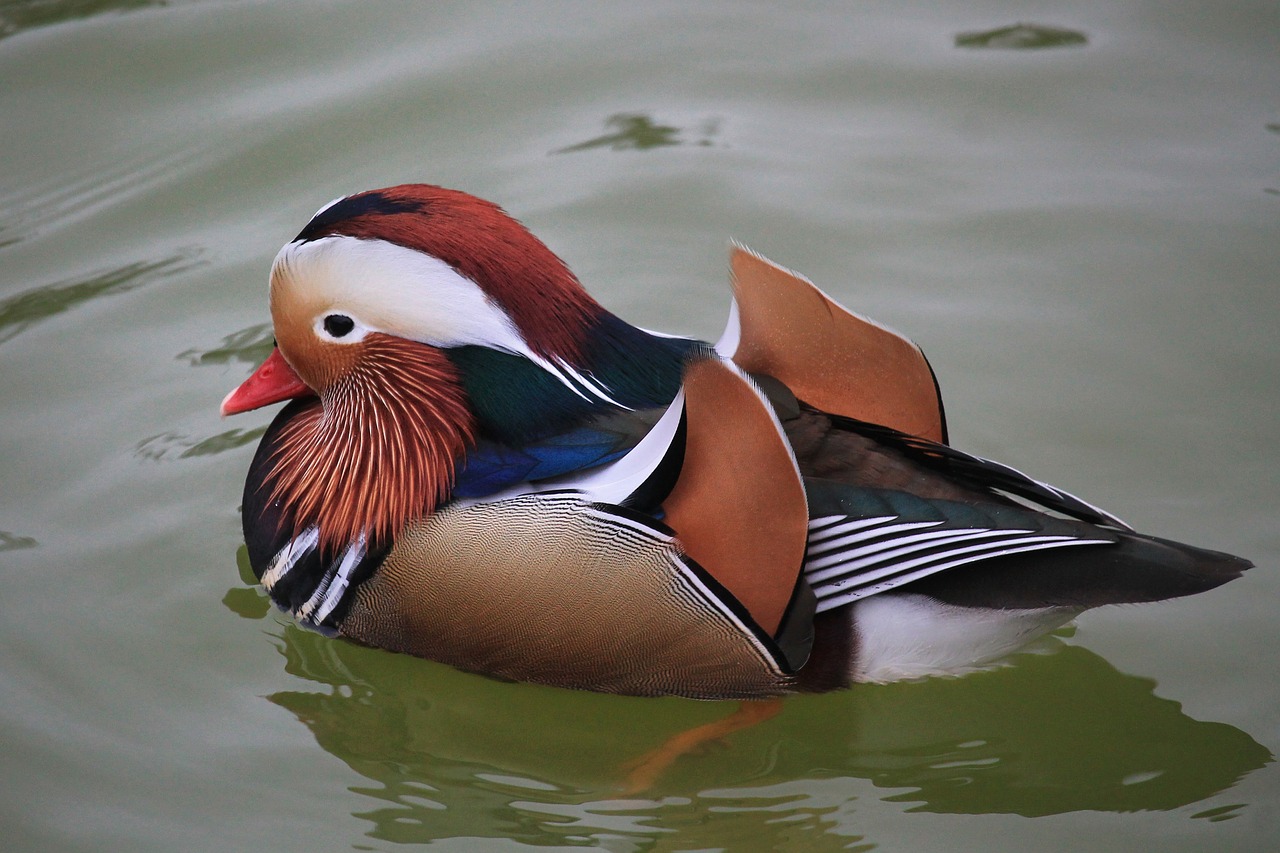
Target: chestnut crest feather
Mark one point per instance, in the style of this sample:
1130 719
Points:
482 243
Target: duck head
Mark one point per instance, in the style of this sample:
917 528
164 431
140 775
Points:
367 302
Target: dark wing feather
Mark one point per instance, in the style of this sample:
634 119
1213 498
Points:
866 541
1137 569
979 474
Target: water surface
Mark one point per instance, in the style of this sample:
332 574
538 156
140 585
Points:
1074 208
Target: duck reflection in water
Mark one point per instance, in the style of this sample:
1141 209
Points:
452 754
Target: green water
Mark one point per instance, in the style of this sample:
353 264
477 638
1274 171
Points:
1080 223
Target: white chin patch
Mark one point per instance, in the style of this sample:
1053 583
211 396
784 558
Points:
905 635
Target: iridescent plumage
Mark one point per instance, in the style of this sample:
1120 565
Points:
484 466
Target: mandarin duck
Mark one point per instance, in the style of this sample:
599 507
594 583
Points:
480 465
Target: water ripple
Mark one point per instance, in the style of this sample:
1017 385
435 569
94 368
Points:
251 345
1022 37
23 310
639 132
164 445
16 17
14 542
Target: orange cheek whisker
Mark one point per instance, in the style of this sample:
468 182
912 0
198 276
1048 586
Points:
380 450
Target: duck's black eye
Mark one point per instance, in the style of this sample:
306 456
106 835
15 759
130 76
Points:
339 325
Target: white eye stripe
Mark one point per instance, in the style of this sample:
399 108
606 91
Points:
399 291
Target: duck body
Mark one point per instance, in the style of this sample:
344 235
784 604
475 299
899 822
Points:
482 466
